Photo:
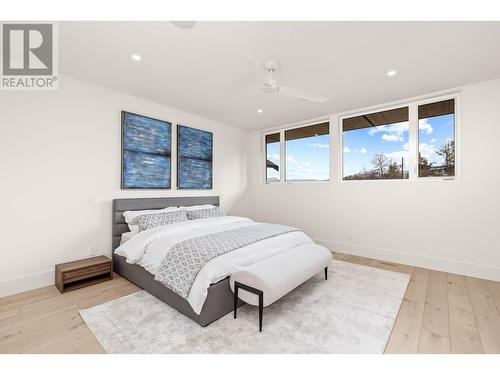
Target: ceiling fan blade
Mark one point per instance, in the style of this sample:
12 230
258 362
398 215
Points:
251 95
253 62
303 95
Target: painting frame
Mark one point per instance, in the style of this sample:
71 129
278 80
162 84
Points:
181 185
123 184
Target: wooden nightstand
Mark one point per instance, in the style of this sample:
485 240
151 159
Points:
80 273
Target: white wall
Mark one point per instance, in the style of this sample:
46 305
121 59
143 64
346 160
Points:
59 147
446 225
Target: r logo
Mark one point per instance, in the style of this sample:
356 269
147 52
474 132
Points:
27 49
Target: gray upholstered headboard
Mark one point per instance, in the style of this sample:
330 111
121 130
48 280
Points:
128 204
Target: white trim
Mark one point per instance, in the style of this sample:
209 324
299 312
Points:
435 96
341 117
283 156
263 161
413 142
456 135
282 166
336 150
26 282
413 137
297 124
483 271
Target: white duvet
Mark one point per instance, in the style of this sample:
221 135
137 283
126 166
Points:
148 249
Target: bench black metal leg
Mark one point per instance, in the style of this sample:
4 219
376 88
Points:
261 309
258 292
326 273
236 287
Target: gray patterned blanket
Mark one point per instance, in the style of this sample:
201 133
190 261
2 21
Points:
182 263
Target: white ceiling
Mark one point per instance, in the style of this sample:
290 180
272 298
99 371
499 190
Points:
201 70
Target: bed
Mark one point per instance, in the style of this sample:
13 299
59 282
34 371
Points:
209 297
219 301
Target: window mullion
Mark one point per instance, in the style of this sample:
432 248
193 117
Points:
282 156
413 142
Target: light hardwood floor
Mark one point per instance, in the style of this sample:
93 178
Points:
441 313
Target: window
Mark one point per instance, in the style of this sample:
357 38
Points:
273 157
410 141
375 145
307 151
436 139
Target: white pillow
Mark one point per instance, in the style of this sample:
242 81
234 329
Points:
130 217
197 207
127 236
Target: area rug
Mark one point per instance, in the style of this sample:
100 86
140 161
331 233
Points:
352 312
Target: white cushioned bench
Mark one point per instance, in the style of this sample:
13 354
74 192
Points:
262 283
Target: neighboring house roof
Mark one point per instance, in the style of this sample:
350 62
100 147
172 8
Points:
270 164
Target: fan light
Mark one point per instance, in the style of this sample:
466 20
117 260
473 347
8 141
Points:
392 73
260 110
136 57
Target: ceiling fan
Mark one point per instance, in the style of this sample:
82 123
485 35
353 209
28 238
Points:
270 86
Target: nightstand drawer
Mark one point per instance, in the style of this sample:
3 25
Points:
86 272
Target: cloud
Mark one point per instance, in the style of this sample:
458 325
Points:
397 155
319 145
424 126
398 128
347 149
392 137
273 157
362 150
427 151
291 159
391 133
433 140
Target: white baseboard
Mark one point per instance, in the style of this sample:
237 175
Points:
26 282
482 271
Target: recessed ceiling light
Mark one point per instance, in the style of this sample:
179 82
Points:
392 73
260 110
184 24
136 57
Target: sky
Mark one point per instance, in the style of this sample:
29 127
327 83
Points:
361 145
308 158
442 131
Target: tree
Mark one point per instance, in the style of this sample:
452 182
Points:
394 170
380 161
447 151
424 166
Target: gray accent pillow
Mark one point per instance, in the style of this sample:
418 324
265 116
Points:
203 214
158 219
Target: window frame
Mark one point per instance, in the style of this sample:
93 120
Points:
413 138
456 133
264 156
336 150
282 166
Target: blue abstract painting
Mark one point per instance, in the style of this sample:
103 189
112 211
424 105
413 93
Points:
194 160
146 152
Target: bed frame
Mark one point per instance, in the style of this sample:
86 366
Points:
219 301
